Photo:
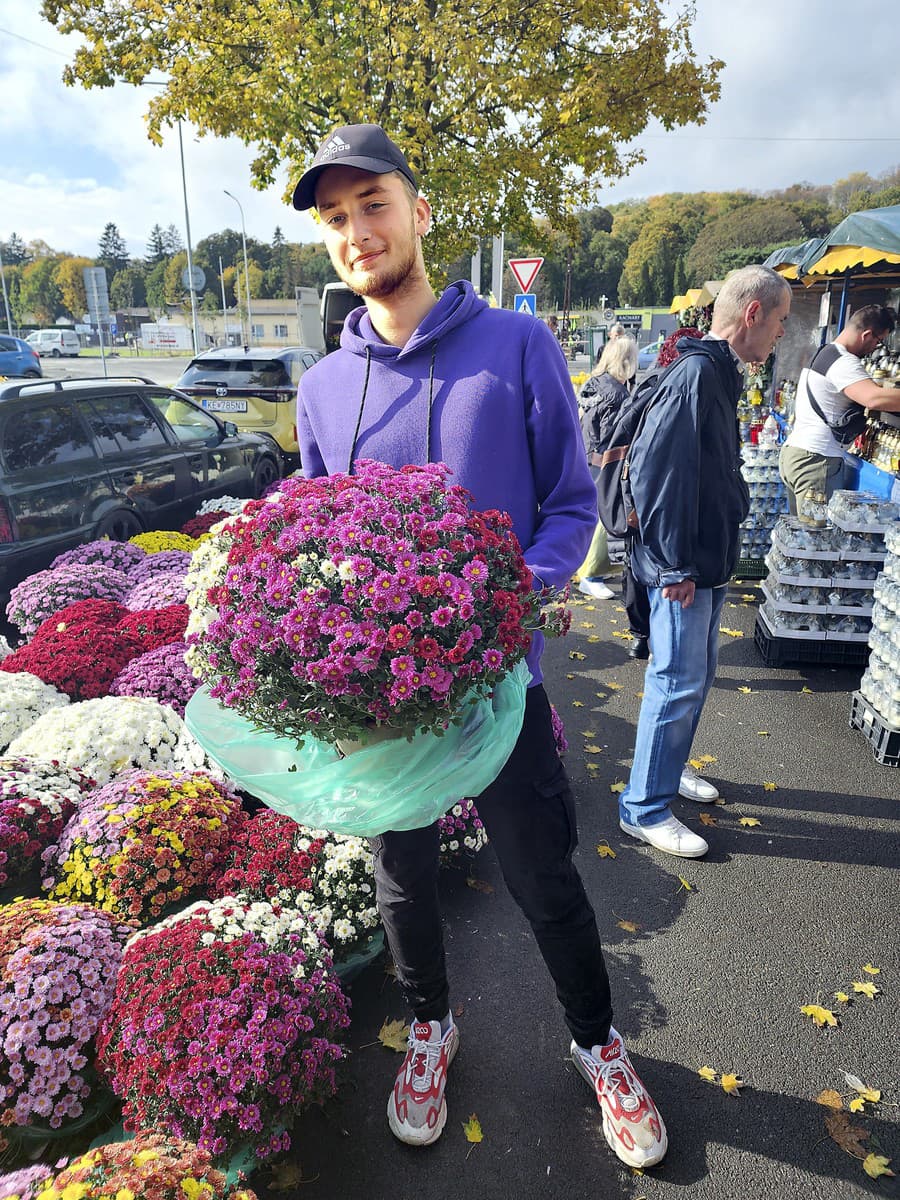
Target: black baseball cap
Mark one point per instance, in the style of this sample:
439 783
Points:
365 146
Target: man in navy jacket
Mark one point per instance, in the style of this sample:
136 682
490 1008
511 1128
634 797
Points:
690 500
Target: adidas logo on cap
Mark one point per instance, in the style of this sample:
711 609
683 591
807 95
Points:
334 145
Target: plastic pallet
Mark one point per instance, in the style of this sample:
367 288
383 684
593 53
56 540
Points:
781 651
750 568
883 738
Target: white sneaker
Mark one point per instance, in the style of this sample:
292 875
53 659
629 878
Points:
593 587
416 1109
669 835
692 787
631 1122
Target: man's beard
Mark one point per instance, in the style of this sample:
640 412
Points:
377 286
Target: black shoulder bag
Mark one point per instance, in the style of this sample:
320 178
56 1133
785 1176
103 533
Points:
848 425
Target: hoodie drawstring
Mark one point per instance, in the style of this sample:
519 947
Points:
362 405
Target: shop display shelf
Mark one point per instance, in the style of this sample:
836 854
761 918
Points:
792 552
850 527
838 610
883 738
810 649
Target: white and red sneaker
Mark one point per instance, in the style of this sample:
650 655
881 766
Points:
417 1111
631 1123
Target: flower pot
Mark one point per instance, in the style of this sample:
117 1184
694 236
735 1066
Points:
374 735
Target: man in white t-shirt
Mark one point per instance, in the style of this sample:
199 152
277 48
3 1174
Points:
811 458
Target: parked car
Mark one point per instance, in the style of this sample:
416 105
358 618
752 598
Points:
18 358
89 458
256 388
647 355
55 343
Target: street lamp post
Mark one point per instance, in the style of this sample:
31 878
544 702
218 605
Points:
5 298
190 263
246 267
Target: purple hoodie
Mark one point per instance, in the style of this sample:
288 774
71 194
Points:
484 390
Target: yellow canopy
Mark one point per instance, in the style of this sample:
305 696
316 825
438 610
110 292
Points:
708 292
677 304
843 258
787 270
689 300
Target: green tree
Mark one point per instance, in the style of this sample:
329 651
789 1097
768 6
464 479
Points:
69 278
508 112
112 252
40 294
172 243
156 247
754 226
127 289
156 287
14 251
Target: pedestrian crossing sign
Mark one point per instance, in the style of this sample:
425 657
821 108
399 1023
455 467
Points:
526 302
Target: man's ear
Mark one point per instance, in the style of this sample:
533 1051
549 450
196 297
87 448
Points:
753 312
423 216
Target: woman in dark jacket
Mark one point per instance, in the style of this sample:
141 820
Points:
600 400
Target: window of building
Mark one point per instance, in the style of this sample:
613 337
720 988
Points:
257 331
281 331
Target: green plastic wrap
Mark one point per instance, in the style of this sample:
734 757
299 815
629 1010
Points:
388 785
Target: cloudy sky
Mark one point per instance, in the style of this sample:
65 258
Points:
810 92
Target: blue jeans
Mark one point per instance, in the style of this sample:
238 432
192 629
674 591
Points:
684 643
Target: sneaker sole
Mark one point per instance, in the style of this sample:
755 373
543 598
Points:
409 1135
617 1148
635 832
698 799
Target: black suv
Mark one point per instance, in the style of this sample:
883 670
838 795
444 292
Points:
256 387
90 458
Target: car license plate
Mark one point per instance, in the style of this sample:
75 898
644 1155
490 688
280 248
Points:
225 405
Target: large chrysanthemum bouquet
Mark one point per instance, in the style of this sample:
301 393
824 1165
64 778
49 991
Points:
223 1024
158 540
46 593
152 1166
23 698
161 674
121 556
58 967
144 841
36 800
264 864
113 734
376 598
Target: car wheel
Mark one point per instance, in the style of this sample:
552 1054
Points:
119 526
32 374
54 353
264 476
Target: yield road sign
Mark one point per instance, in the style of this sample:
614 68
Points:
526 303
525 271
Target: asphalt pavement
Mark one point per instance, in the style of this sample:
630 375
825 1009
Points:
710 961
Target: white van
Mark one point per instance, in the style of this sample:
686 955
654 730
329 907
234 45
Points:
55 342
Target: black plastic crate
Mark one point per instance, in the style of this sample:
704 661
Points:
883 738
784 651
750 568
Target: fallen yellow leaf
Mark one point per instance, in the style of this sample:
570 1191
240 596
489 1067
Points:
590 608
479 885
589 733
587 624
876 1165
577 704
830 1099
614 687
870 970
708 1074
749 821
628 926
592 766
873 1095
762 733
706 819
807 691
621 633
706 759
688 887
594 637
577 655
746 691
731 1084
570 677
735 633
472 1129
591 749
619 608
821 1016
640 695
617 787
696 763
857 1104
394 1035
605 850
747 597
866 989
769 786
842 996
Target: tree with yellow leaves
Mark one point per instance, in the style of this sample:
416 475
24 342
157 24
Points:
507 111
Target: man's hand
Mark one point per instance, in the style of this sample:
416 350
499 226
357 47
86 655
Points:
682 592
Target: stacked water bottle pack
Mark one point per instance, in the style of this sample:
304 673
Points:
876 706
822 575
768 499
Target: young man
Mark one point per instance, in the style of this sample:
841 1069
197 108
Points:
421 379
811 459
690 500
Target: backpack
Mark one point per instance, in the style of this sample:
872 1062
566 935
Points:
615 506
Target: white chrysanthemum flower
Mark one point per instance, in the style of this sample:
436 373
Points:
103 737
24 698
